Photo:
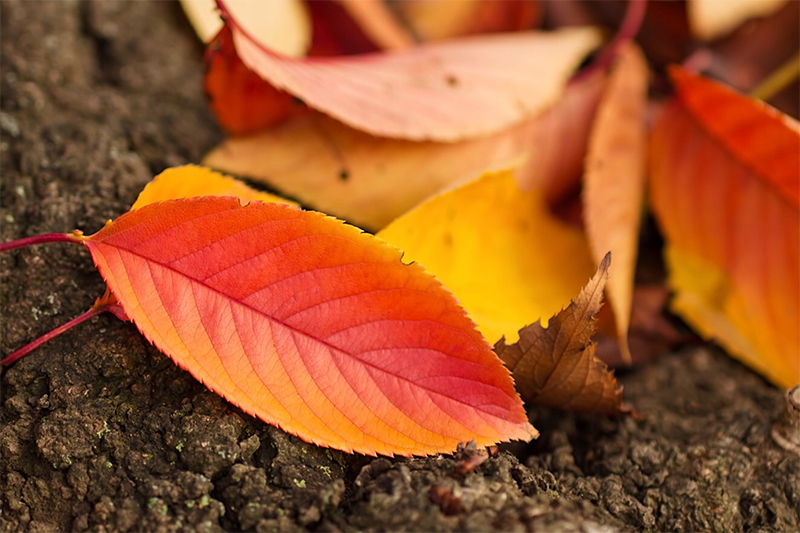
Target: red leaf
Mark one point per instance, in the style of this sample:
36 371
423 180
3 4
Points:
309 324
759 136
240 99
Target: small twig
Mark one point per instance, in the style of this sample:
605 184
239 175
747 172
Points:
778 80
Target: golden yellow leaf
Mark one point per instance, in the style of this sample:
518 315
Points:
498 249
190 181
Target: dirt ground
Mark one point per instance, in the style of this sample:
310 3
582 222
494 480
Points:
102 432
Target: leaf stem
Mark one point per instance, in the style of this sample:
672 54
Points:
25 350
634 15
41 239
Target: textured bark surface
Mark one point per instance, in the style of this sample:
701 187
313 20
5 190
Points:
100 431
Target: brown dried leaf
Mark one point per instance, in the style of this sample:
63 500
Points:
556 366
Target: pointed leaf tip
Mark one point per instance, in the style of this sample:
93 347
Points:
556 366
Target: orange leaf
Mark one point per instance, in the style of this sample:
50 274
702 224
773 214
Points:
443 91
725 176
371 180
309 324
556 366
614 181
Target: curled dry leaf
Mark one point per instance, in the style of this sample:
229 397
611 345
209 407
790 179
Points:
555 366
370 181
725 182
309 324
711 19
613 186
422 93
498 249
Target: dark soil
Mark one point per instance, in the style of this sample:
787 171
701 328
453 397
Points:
100 431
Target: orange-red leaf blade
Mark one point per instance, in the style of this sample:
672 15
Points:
725 175
758 136
310 324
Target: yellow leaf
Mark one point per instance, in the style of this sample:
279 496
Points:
499 250
190 181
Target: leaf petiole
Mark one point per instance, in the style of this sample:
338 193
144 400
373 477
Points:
106 303
76 236
25 350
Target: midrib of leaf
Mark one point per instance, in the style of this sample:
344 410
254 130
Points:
300 332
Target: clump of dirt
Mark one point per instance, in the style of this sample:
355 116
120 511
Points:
102 432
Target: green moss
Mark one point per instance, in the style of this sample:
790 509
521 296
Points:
103 430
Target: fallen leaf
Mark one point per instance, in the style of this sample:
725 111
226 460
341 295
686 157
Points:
725 182
370 181
240 99
444 19
711 19
422 93
191 181
309 324
613 185
498 249
555 366
281 25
